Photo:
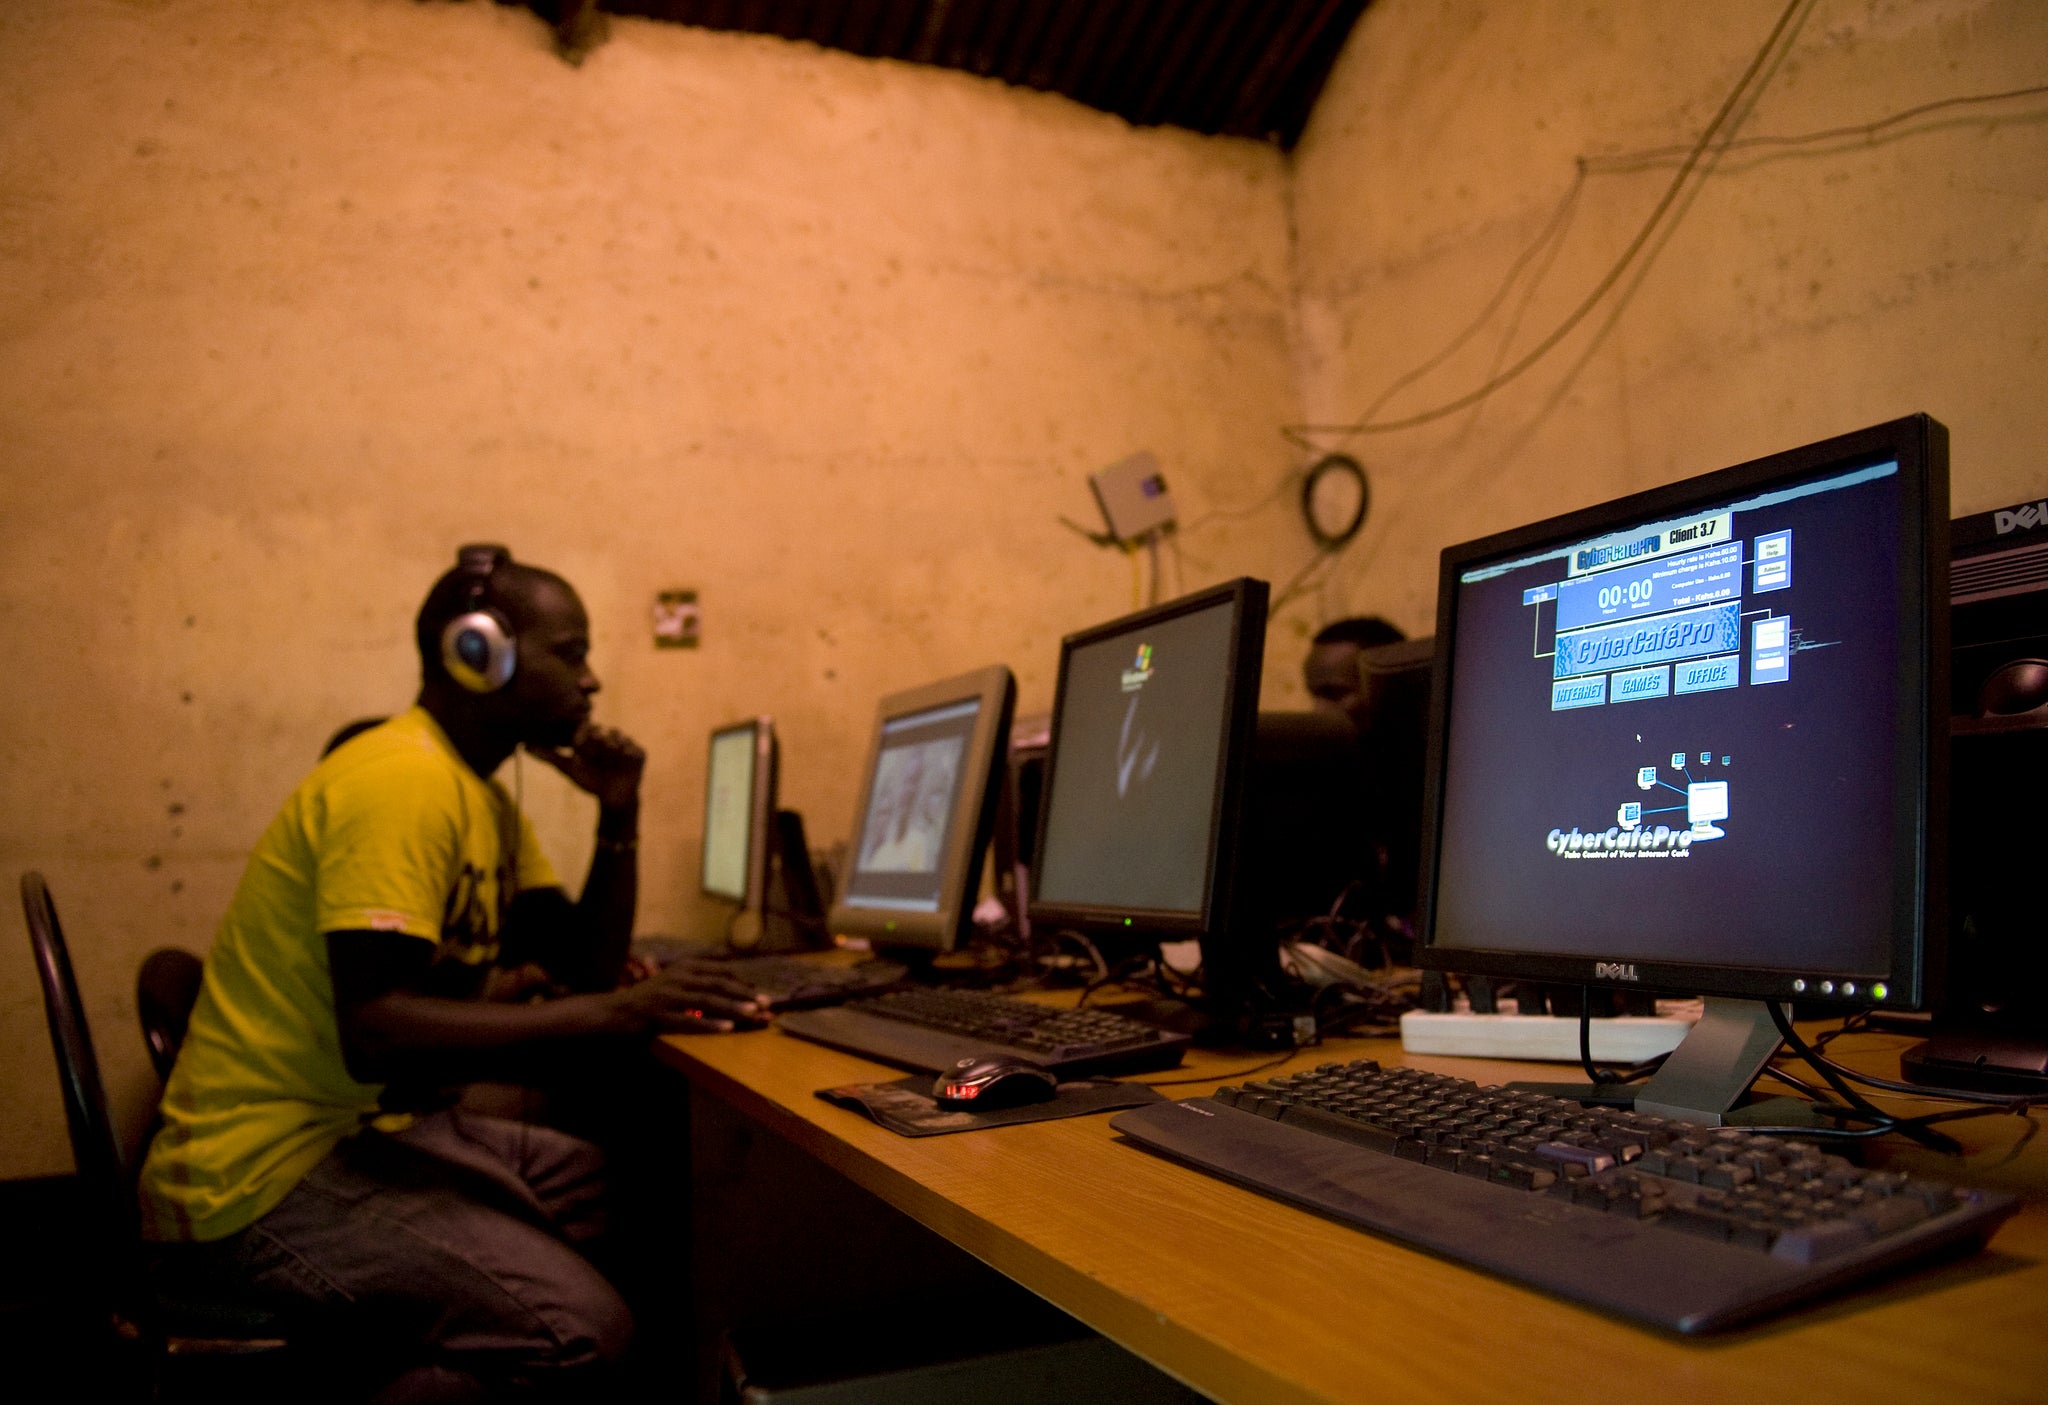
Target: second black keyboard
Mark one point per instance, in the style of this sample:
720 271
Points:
928 1030
1688 1228
778 981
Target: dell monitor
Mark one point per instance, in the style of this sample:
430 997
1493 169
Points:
926 808
1694 740
1154 717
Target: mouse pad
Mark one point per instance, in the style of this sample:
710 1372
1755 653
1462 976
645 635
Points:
906 1107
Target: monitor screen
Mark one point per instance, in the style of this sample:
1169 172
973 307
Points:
914 865
739 804
1153 720
1693 740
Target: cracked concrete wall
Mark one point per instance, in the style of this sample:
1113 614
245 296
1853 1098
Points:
294 298
1806 288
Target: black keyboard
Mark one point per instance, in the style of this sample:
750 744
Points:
779 982
930 1030
1684 1227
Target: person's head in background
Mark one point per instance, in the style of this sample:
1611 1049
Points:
1331 668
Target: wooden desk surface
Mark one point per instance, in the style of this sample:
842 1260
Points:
1250 1300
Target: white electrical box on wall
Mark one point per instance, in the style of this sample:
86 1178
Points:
1133 496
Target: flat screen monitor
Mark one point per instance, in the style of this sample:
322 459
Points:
926 809
1693 740
1154 717
739 813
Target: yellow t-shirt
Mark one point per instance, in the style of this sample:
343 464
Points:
391 832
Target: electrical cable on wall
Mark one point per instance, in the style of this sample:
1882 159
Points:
1315 436
1621 265
1736 105
1335 498
1627 163
1700 159
1694 160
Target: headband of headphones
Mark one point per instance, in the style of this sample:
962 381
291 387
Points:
477 648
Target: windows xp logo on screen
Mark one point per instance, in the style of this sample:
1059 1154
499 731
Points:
1140 670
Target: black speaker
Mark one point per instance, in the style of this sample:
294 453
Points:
1395 682
1016 827
792 907
1998 834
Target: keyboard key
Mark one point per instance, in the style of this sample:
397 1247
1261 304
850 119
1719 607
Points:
1591 1158
1823 1240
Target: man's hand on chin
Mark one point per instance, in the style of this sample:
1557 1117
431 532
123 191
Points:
601 760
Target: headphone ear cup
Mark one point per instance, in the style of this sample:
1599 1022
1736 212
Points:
477 651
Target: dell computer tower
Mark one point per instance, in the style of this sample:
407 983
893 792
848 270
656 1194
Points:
1992 1027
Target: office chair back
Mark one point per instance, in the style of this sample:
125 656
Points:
112 1228
166 989
168 1320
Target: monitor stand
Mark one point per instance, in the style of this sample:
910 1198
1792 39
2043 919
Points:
1706 1076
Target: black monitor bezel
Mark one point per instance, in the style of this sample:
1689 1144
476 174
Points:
943 929
1246 662
760 811
1918 937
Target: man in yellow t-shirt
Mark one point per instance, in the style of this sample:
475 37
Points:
307 1147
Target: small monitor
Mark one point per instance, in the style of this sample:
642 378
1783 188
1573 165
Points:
1693 741
1154 717
925 813
739 815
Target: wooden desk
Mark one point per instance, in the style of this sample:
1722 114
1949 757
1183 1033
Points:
1250 1300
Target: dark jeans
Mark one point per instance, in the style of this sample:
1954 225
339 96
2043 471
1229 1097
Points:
446 1257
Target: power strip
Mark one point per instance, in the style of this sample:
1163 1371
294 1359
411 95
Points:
1618 1039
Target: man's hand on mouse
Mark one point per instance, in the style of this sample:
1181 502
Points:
602 760
678 1000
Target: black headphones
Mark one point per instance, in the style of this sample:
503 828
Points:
477 647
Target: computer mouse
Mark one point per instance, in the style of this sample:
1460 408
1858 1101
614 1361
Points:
993 1081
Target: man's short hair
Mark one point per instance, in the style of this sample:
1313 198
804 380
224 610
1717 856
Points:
507 590
1366 631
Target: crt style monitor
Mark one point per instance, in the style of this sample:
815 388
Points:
1694 740
1153 722
739 815
926 808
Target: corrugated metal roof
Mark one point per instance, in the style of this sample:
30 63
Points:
1246 68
